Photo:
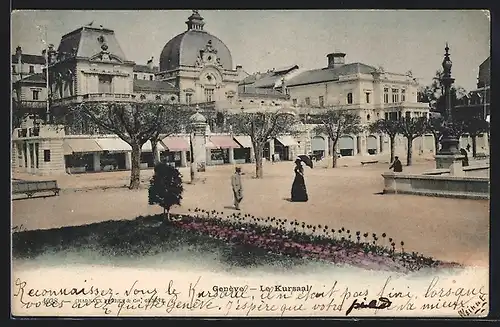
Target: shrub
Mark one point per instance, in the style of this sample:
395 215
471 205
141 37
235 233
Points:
165 188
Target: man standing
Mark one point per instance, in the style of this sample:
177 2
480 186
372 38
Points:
396 165
237 188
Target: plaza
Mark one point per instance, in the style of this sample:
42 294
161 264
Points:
348 196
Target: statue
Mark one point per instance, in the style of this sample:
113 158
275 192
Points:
195 12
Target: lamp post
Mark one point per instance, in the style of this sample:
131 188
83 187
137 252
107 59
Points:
449 141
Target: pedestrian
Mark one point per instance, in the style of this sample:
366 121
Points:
396 165
468 147
465 159
237 188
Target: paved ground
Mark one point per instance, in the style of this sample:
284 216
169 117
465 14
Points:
448 229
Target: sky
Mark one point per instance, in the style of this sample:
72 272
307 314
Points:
397 40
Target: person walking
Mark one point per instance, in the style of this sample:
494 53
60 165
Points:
237 188
299 190
397 166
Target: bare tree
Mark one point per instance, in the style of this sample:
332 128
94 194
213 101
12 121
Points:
411 128
474 126
133 122
262 127
389 127
335 123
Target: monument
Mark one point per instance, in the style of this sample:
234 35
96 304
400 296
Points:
198 144
449 156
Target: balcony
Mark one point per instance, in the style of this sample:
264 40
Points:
35 104
95 97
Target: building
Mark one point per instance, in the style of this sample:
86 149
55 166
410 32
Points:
23 65
370 92
196 69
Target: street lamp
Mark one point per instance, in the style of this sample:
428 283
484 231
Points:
449 141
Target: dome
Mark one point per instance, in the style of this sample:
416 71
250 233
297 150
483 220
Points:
198 118
184 49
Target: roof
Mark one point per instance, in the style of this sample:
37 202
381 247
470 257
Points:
153 86
84 42
34 78
184 49
329 74
146 69
30 59
267 79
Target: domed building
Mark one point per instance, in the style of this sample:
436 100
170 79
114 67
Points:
200 65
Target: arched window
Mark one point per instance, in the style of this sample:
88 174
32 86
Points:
349 98
368 117
143 97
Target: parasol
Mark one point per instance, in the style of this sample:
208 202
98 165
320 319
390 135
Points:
306 160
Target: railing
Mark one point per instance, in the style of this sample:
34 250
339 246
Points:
30 104
95 97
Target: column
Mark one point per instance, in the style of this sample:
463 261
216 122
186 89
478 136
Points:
378 143
22 155
231 155
271 149
97 161
183 159
327 145
356 141
28 154
363 151
128 160
252 154
486 144
208 156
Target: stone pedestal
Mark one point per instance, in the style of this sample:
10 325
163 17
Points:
450 161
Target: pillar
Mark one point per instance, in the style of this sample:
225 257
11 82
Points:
28 154
128 160
208 156
357 140
97 161
252 154
271 149
363 151
486 143
183 159
378 143
327 145
231 155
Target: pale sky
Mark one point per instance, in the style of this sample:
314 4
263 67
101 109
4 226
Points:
398 40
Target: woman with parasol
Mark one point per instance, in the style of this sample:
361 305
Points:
299 191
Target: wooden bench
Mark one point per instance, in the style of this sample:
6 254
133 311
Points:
368 162
31 187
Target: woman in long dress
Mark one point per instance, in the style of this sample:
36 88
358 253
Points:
299 191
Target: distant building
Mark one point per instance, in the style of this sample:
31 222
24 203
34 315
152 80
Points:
23 65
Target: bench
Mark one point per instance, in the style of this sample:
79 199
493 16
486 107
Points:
31 187
368 162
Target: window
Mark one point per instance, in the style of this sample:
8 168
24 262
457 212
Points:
158 97
368 117
13 68
367 95
386 116
321 101
143 97
386 95
349 98
46 155
294 102
209 95
135 76
395 95
150 77
32 69
36 94
407 114
105 83
403 95
230 98
308 101
189 98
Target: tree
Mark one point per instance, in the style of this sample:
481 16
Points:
133 122
435 126
262 127
474 126
433 93
335 123
389 127
165 188
411 128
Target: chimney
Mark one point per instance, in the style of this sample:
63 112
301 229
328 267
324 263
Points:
239 67
150 63
335 59
19 52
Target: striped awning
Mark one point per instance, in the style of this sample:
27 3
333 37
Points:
71 146
244 140
223 142
146 147
175 143
287 140
114 145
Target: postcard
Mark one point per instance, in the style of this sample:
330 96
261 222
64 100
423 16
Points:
250 163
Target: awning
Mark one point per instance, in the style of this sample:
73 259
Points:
223 141
210 145
244 140
114 145
175 143
287 140
146 147
71 146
